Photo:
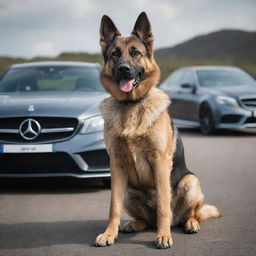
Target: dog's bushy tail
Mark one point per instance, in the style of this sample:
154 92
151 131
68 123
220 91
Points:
207 211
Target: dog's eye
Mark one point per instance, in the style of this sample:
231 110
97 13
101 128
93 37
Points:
116 53
135 53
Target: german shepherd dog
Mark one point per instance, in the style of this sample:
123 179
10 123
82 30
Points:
149 177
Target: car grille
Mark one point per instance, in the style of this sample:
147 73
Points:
37 163
52 129
249 102
250 120
231 118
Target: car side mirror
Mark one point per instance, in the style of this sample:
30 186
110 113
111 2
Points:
192 87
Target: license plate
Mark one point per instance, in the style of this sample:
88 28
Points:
42 148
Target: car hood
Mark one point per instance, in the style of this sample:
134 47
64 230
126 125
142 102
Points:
61 104
233 91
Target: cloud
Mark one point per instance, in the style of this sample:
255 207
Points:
45 48
163 8
37 27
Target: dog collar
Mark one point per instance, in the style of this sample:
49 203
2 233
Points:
139 100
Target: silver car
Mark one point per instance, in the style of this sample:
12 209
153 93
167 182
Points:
212 97
50 124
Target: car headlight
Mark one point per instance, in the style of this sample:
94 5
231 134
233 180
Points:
228 101
91 125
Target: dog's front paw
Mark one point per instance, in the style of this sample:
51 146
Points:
164 241
105 239
191 226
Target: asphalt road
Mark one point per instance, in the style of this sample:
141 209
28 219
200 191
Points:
63 217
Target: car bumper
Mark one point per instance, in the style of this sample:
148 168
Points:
82 156
235 118
103 174
227 118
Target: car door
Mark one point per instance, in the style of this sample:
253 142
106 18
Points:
171 86
187 97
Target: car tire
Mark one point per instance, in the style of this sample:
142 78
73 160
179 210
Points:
106 183
207 125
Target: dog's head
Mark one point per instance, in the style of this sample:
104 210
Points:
129 69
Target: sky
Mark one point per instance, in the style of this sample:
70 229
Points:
30 28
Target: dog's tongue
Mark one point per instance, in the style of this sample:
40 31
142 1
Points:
126 85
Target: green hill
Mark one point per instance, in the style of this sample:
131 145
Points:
225 47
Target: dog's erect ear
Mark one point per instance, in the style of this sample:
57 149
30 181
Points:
142 29
108 31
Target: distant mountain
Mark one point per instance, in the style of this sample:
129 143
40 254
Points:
232 43
224 47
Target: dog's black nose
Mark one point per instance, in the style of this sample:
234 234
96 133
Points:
124 68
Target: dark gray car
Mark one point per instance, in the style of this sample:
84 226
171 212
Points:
212 97
50 124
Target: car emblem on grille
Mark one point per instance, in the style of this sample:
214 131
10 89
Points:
29 129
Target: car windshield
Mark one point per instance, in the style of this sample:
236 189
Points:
51 78
221 77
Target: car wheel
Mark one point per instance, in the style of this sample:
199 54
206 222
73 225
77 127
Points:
107 183
207 125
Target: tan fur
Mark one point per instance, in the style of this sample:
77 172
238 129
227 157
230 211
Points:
137 135
207 211
133 119
141 142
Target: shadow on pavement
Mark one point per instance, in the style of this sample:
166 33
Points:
50 186
38 234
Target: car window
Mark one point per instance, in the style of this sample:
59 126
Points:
188 77
173 80
51 78
221 77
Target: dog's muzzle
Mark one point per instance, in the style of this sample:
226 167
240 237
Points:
128 78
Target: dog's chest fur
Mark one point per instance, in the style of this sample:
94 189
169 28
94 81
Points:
133 132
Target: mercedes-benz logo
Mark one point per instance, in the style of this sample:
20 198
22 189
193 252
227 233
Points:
29 129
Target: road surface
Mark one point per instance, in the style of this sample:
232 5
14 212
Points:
63 217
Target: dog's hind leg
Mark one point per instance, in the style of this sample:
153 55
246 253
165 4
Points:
193 200
188 199
192 209
135 225
140 206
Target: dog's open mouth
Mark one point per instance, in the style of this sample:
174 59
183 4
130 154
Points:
127 85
